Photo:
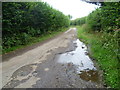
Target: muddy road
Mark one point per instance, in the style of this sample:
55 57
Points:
62 62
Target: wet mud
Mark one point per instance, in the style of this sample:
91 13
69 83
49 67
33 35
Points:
82 63
90 75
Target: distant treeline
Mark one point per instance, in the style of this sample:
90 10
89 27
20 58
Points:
23 20
78 21
106 18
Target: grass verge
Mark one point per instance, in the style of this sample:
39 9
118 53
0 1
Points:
35 40
103 48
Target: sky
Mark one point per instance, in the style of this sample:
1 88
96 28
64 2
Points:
75 8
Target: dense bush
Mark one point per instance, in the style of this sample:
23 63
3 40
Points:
94 20
23 20
105 18
110 16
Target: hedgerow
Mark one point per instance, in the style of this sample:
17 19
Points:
23 20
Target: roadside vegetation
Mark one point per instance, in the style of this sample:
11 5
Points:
25 23
101 31
35 40
28 22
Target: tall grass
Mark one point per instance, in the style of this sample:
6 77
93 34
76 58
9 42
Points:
104 49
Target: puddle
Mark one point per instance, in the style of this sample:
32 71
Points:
80 59
90 75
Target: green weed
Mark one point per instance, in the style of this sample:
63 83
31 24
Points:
104 49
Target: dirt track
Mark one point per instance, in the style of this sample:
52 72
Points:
39 68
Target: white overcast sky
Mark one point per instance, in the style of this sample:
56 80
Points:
75 8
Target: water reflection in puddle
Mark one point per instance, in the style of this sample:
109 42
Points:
80 59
